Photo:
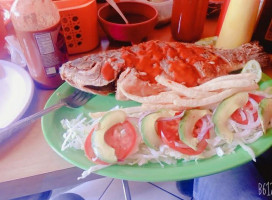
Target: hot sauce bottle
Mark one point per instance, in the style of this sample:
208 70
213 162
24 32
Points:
188 17
38 29
263 30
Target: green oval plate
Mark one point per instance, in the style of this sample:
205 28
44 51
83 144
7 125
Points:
53 130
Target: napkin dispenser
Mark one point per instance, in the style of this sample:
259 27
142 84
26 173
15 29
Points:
79 24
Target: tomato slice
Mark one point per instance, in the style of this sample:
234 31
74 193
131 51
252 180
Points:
237 115
89 152
122 137
170 136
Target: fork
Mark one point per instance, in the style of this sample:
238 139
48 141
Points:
75 100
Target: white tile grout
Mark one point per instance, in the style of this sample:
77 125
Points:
109 189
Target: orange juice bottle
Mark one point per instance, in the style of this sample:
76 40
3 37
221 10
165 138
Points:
38 29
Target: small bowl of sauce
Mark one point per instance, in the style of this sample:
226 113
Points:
142 19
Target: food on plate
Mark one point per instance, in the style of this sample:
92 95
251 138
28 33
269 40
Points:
188 64
165 136
266 86
191 107
187 124
224 112
265 113
253 66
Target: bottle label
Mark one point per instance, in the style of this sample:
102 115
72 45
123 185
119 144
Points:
268 35
52 49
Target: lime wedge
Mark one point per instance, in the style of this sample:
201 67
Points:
207 41
266 86
253 66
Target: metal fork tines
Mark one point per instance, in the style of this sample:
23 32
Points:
75 100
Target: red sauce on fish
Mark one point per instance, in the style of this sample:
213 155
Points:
182 63
107 71
183 73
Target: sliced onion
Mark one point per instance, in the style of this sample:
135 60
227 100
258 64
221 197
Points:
254 138
142 116
206 125
181 145
255 105
215 141
242 114
248 150
134 121
219 151
251 123
173 118
262 93
243 133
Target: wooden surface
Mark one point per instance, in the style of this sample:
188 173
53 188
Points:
27 163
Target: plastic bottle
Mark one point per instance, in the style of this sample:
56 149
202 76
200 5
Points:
3 34
239 22
38 29
222 16
263 31
188 17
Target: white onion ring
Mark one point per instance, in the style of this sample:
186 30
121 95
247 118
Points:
206 125
176 143
242 114
141 119
254 103
172 118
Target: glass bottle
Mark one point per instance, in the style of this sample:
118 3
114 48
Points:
263 31
188 17
38 29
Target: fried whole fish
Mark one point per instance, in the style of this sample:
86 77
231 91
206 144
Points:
185 63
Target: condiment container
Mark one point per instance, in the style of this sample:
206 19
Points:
263 30
222 16
79 24
238 23
3 34
38 29
188 17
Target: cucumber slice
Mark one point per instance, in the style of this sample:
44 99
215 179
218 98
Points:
187 124
223 113
149 130
101 149
265 112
